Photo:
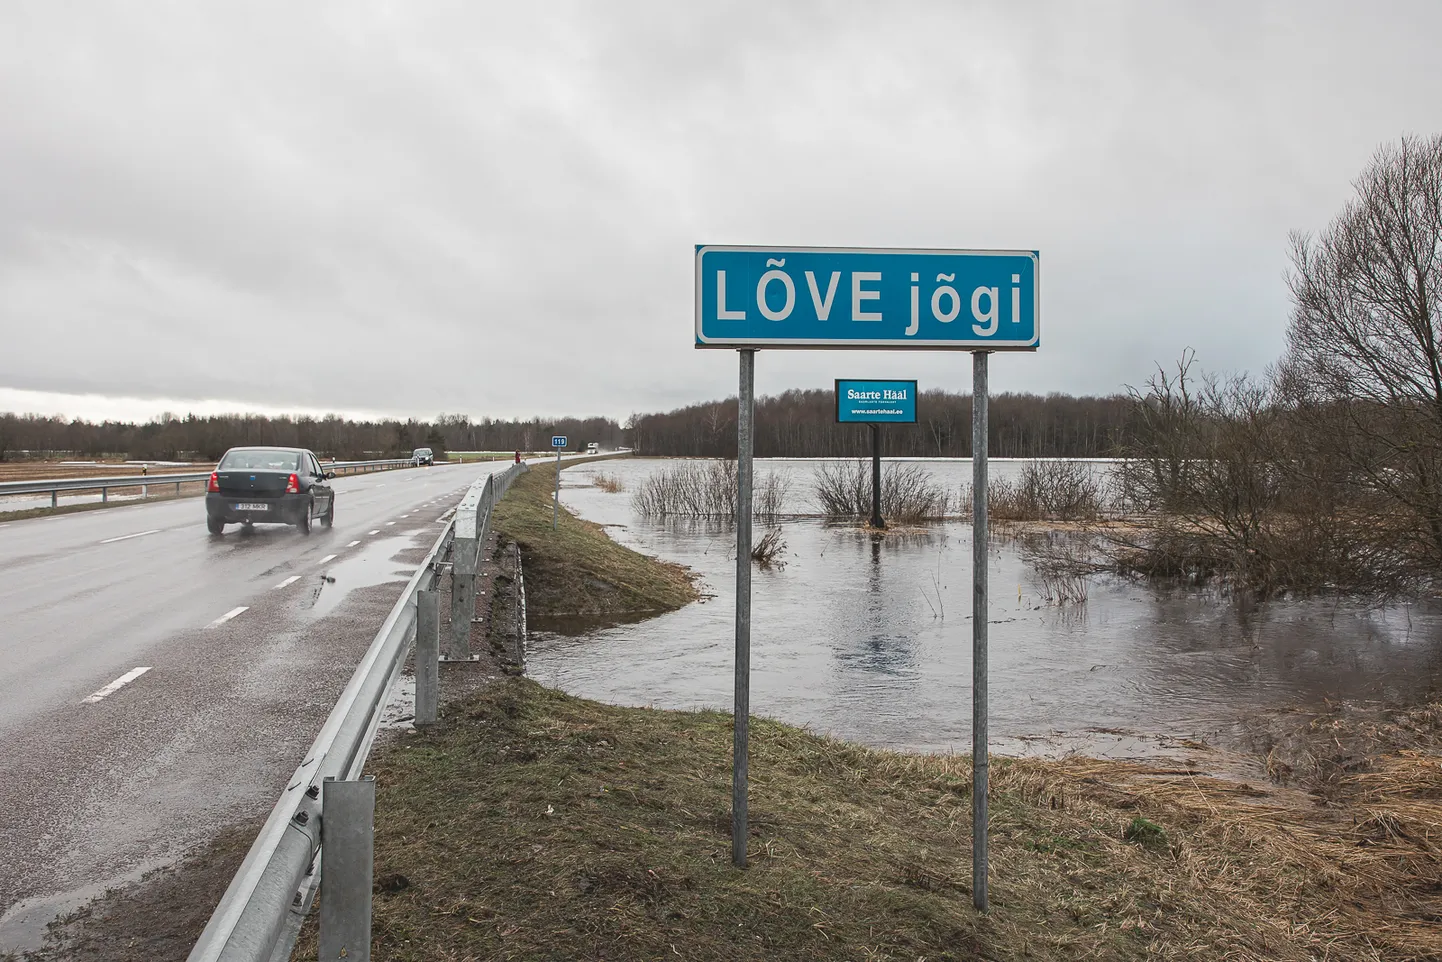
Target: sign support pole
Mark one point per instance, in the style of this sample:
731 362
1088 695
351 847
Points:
876 519
556 507
741 716
979 391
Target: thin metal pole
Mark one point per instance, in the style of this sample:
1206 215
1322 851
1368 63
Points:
876 519
428 653
979 390
741 717
556 508
347 831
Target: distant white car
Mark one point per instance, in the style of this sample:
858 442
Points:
592 448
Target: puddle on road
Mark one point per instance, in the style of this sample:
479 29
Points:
23 927
370 563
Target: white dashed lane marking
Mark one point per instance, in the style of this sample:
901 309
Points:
328 558
389 523
289 581
227 616
352 544
115 685
127 537
376 531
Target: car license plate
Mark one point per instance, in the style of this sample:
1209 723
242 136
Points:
252 507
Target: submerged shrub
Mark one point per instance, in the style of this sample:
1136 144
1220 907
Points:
609 483
708 489
1046 491
909 494
768 551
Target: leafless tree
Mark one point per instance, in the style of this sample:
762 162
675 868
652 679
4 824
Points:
1363 368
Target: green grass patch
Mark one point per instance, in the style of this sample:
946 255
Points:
577 570
1146 833
535 825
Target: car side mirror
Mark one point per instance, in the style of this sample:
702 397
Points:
328 475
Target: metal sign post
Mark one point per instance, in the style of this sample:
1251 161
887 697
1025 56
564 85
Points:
876 520
741 716
558 443
978 630
875 403
749 298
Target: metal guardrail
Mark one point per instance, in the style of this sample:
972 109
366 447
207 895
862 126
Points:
54 486
259 917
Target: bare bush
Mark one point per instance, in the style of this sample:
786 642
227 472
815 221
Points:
1239 497
909 494
1045 491
1064 563
708 489
608 483
770 492
768 551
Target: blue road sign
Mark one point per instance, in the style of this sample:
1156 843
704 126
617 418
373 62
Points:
875 402
834 297
559 441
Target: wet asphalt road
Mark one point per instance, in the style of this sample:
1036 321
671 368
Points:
95 790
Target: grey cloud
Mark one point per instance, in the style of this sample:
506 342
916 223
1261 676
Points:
491 208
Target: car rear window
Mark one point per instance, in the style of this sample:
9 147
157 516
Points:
260 459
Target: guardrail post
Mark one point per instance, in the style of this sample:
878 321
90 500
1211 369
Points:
54 498
463 596
428 653
104 494
347 832
518 603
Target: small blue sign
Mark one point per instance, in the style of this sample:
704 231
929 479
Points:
833 297
559 441
875 402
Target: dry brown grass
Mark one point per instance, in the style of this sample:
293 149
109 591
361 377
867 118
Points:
534 825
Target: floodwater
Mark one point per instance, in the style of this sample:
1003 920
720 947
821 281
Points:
870 639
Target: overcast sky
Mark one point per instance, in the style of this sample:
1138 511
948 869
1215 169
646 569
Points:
413 207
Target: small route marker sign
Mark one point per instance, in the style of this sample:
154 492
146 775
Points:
558 441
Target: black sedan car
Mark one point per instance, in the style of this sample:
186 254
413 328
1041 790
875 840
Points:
270 486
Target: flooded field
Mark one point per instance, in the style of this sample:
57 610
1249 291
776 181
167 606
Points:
870 639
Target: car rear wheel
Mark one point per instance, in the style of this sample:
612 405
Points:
304 523
214 525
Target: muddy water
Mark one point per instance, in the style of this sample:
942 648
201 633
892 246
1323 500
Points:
871 640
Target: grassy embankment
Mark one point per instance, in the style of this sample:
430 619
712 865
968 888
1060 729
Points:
534 825
577 570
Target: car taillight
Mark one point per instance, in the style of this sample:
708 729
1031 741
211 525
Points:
293 485
214 481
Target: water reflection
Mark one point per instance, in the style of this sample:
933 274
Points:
869 637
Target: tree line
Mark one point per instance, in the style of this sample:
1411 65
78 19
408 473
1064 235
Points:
196 438
796 423
802 424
